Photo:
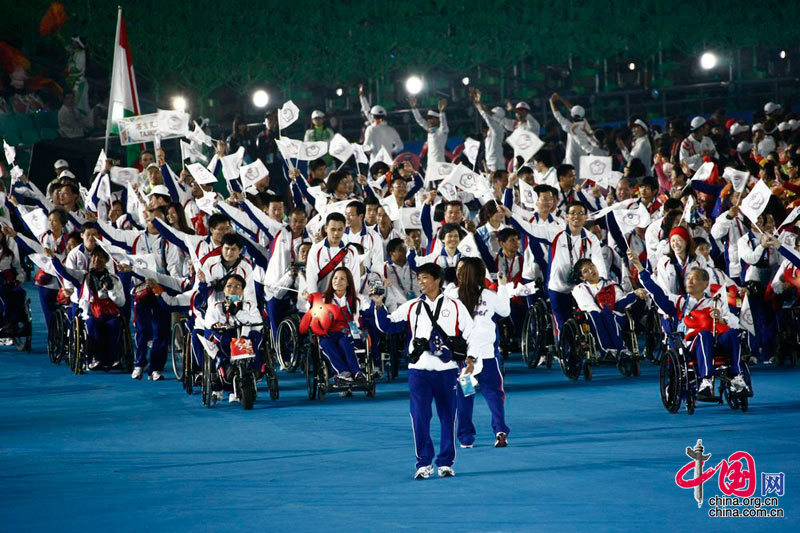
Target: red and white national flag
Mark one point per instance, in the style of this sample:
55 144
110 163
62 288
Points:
123 100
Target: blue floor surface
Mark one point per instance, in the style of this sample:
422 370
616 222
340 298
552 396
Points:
103 452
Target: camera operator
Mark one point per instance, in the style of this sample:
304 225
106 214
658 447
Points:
439 328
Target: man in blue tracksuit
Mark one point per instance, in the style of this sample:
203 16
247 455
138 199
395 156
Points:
432 372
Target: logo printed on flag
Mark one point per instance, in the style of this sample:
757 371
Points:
471 149
287 115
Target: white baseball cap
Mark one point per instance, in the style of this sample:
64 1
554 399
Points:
377 111
159 189
757 127
61 163
697 122
771 107
744 147
523 105
640 122
498 112
737 128
66 174
318 114
577 112
433 114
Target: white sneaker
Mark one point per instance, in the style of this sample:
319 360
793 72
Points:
137 372
738 384
465 446
753 360
772 360
446 471
705 387
6 342
542 361
232 398
424 472
155 375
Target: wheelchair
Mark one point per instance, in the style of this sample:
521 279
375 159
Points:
318 376
288 343
678 380
20 334
537 334
506 337
576 348
80 353
240 375
630 366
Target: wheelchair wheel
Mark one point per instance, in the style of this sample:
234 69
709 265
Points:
246 387
311 371
322 374
529 353
23 341
670 381
505 330
207 393
176 347
79 356
569 344
126 347
189 365
57 336
287 344
270 376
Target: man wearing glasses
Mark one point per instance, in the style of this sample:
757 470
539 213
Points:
569 246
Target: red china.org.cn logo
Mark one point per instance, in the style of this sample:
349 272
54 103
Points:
736 479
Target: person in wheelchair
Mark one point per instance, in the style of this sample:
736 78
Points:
703 321
101 296
224 317
603 302
337 345
12 296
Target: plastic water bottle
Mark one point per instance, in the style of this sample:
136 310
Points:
467 387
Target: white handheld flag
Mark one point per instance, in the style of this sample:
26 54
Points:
289 148
340 148
124 175
746 316
253 173
471 149
312 150
206 202
199 136
101 188
231 164
36 220
524 143
389 205
596 168
16 172
100 166
411 218
361 155
191 152
704 172
201 174
462 177
438 171
172 123
11 152
382 155
287 114
613 178
527 196
687 210
738 178
756 201
468 247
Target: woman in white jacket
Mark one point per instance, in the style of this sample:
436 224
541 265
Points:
482 355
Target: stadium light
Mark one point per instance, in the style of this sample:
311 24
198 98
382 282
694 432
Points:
465 80
179 103
260 98
783 54
708 61
414 85
631 66
339 91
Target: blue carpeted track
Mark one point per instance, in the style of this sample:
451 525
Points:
103 452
